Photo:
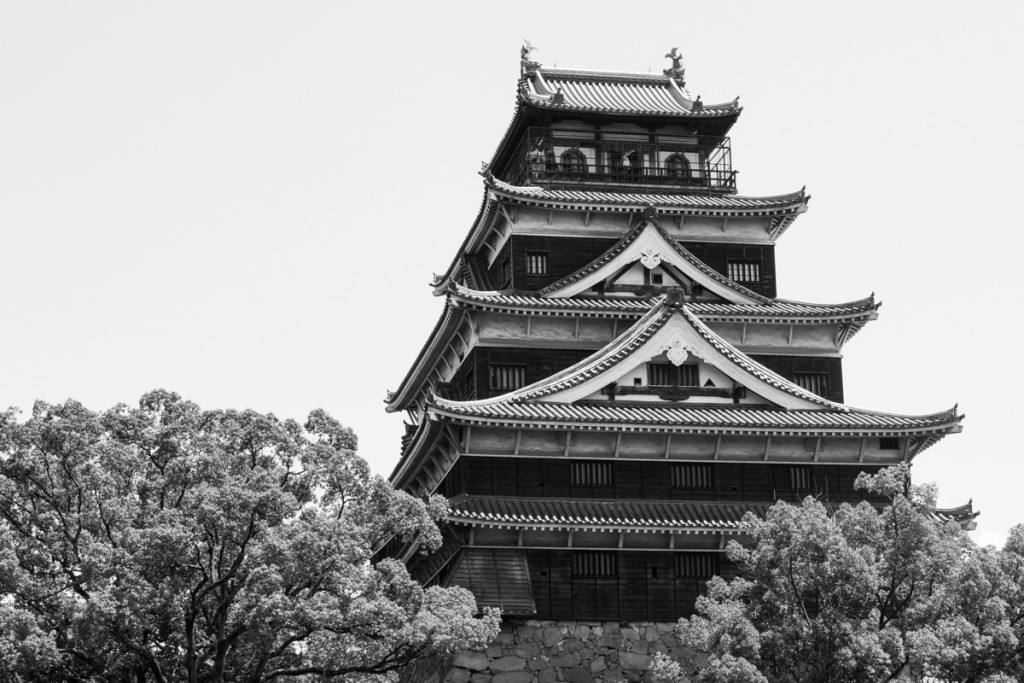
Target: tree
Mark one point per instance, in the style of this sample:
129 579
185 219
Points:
168 543
857 593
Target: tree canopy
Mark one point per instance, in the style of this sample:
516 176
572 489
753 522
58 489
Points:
857 593
167 543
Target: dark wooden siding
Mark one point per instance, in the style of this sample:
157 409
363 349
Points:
717 257
790 366
646 588
550 478
472 379
565 255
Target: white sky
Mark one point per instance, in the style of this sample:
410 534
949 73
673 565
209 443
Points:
244 201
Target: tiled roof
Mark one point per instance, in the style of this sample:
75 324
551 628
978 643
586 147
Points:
530 304
437 343
634 515
636 337
616 93
784 209
600 514
626 240
795 202
700 419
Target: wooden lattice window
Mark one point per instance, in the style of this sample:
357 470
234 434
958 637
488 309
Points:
744 271
536 263
691 476
657 277
678 166
814 382
669 375
697 565
507 377
594 565
590 473
793 477
574 162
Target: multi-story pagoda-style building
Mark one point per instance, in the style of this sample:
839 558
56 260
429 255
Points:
613 382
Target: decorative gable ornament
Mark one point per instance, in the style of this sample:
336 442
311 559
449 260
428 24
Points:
650 259
676 351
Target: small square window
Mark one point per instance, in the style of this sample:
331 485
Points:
536 263
793 478
814 382
744 271
687 476
590 473
507 377
669 375
594 565
657 277
696 565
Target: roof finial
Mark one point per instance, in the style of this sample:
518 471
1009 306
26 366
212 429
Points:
527 65
676 72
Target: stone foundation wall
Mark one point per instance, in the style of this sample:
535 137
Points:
544 651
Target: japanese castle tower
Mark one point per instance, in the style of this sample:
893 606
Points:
613 382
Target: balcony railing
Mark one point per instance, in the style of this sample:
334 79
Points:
558 159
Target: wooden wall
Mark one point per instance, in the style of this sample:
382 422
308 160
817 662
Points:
632 480
566 255
717 256
789 366
633 595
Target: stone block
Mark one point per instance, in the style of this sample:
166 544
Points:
565 660
480 678
547 676
577 675
598 665
582 631
551 635
512 663
527 650
458 676
630 634
474 661
538 664
513 677
632 660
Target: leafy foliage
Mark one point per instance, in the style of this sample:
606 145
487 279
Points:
861 594
168 543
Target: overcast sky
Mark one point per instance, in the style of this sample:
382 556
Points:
244 201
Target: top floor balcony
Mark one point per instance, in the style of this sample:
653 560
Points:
581 159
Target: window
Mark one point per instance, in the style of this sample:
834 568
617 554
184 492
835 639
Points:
657 277
573 162
696 565
677 166
592 565
536 263
626 165
796 478
814 382
889 443
669 375
590 473
744 271
691 476
507 377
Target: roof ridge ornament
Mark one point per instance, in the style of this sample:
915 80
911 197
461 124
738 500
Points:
676 72
526 65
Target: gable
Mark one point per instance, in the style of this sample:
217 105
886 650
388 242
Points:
652 249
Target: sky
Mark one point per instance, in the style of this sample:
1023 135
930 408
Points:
244 202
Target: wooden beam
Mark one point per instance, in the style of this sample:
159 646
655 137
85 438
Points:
568 436
718 445
790 335
551 216
743 337
668 445
465 442
860 456
586 218
817 448
576 332
529 325
618 443
767 445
